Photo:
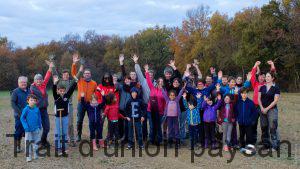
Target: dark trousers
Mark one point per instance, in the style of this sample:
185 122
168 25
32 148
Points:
123 127
193 130
138 131
95 129
173 128
201 132
255 125
80 117
155 121
113 131
246 131
269 124
145 129
234 137
45 124
210 131
19 130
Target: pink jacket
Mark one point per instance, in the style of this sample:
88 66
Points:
155 93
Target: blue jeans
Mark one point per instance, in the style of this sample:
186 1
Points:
182 123
61 132
80 117
31 142
19 130
71 127
45 124
138 131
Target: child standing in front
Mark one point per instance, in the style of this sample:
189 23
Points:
226 118
94 114
61 107
246 116
31 121
135 115
209 118
193 117
112 112
172 111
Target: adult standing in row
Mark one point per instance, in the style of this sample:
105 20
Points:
39 89
18 103
85 85
256 84
268 97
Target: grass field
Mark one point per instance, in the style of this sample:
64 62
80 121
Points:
289 128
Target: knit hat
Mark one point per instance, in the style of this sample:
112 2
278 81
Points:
168 69
134 89
38 77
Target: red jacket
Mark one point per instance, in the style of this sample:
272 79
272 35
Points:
256 85
112 112
107 90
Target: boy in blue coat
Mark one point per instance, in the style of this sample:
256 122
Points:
246 116
31 121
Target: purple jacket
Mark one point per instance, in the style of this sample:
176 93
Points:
177 99
210 112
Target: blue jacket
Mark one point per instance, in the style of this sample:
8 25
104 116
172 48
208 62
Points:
135 108
94 112
31 119
245 112
224 90
19 100
206 91
193 116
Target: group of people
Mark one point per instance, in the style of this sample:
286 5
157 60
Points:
140 108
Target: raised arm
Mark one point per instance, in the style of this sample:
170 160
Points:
121 60
74 68
165 94
253 74
196 65
54 87
138 70
149 82
180 93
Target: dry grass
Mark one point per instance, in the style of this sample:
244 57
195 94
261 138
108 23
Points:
289 127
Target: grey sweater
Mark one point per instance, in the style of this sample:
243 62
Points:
142 80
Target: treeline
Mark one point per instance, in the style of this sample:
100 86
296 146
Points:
271 32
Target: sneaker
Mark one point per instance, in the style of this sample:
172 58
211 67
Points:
129 147
28 159
225 148
142 147
19 150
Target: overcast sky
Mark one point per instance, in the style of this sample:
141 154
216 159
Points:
29 22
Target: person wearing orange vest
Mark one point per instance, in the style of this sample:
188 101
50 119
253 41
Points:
85 85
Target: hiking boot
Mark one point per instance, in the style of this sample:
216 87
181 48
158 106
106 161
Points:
78 138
